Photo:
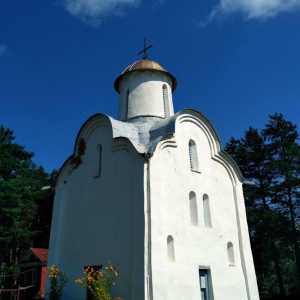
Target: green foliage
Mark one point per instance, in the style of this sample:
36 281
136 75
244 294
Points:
57 280
271 158
25 210
9 275
99 283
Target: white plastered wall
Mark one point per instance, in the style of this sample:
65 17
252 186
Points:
127 213
141 95
196 246
98 219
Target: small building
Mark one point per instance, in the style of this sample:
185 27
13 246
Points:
154 193
33 268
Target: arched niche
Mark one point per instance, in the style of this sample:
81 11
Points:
193 209
171 248
206 211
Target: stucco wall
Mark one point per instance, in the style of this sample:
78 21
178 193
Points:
145 95
196 247
98 219
126 213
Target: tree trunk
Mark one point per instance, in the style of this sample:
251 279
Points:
294 236
278 270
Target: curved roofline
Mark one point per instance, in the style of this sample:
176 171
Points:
219 154
145 65
157 132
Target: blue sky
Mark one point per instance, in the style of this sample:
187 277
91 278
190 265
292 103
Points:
236 61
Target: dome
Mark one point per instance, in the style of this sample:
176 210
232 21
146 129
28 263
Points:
148 65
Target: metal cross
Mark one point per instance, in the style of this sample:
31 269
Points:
145 50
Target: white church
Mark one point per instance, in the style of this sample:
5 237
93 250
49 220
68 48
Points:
154 193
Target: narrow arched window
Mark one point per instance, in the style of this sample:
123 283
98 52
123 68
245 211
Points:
193 156
100 160
165 99
126 104
206 211
171 250
193 209
230 253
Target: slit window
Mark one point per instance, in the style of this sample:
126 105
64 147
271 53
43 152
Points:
230 253
206 211
193 156
171 248
100 161
126 104
165 99
193 209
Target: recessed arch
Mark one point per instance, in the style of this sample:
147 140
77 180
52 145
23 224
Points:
100 160
206 211
193 156
193 209
126 104
165 98
171 248
230 253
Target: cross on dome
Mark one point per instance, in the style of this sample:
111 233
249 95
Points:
145 50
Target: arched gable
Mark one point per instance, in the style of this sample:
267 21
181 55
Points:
124 136
214 141
146 139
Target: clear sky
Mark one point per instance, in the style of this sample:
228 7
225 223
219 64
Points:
236 61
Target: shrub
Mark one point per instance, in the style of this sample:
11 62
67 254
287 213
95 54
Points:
99 283
57 282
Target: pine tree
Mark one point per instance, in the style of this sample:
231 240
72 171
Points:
24 210
271 158
284 162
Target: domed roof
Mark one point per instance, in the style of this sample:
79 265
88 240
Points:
148 65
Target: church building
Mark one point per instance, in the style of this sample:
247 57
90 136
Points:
154 193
